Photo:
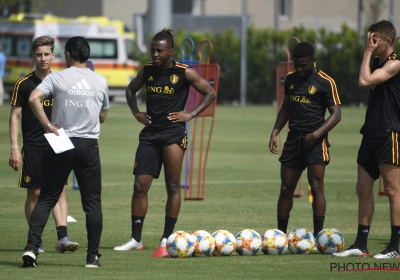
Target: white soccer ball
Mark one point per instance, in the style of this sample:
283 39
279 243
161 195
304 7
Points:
248 242
204 245
301 241
274 242
180 244
330 240
225 243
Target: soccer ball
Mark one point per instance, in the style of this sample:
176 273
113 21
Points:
301 241
180 244
248 242
225 243
330 240
205 243
274 242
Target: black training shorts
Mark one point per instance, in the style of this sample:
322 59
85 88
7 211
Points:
376 150
148 160
294 155
31 175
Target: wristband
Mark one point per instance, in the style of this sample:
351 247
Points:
49 124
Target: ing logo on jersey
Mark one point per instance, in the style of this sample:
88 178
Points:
165 90
300 99
47 102
312 89
168 90
174 79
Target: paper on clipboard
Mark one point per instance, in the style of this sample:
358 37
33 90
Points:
59 143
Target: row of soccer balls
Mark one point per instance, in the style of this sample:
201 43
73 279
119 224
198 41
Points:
248 242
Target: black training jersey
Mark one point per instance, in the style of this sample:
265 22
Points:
167 91
383 112
308 100
32 130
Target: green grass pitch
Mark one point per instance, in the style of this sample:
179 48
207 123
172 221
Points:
242 188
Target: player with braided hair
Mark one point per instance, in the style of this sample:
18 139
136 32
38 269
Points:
308 93
162 141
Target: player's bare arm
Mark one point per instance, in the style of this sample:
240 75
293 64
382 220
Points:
15 154
281 120
368 79
35 99
328 125
201 86
130 93
103 115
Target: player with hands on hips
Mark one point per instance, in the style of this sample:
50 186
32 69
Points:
162 142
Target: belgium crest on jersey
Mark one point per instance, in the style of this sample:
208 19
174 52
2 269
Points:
312 89
174 79
27 179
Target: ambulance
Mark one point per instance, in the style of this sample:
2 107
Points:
113 51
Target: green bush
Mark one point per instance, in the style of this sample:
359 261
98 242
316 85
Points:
338 54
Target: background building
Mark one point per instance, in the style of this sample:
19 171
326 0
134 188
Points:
245 72
278 14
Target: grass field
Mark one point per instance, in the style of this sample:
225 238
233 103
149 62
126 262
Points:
242 190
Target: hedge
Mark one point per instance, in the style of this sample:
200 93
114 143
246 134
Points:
337 54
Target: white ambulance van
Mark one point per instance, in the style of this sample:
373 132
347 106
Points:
112 46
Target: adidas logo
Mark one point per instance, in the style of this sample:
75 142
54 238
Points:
291 87
150 79
392 255
138 221
81 88
365 230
